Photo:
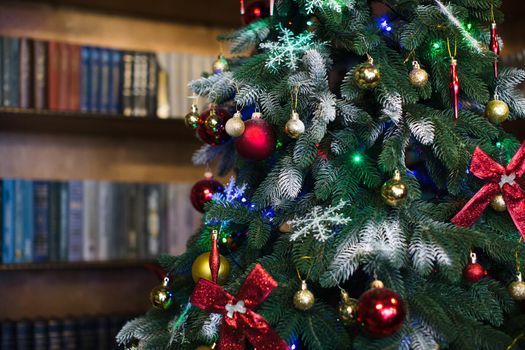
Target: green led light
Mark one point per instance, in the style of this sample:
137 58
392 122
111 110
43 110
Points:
436 45
469 26
224 240
357 158
309 23
279 144
498 144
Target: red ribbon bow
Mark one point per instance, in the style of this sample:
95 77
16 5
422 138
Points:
501 180
239 320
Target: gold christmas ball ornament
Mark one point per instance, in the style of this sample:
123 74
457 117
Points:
498 203
497 111
192 119
235 125
367 75
201 269
161 297
294 127
303 299
347 309
285 227
517 289
377 284
213 122
418 76
394 191
220 65
204 347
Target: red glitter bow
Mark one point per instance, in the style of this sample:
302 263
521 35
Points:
501 180
239 321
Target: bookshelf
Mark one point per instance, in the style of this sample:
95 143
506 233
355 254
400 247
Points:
72 145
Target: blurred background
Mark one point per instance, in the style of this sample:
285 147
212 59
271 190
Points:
92 142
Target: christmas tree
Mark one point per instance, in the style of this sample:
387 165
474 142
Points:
377 200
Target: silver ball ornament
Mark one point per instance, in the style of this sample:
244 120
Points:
235 125
294 127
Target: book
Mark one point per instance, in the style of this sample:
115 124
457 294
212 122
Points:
140 85
8 214
8 339
41 221
89 221
2 48
127 83
64 76
10 72
106 210
115 81
94 64
75 220
103 337
152 84
104 80
15 73
40 76
87 334
153 221
27 220
19 221
131 229
40 339
26 72
69 334
54 334
53 76
74 75
64 222
24 335
54 220
85 79
1 219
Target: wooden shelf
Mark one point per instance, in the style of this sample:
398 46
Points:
95 265
95 125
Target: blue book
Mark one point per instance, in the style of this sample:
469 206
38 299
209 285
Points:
8 229
85 79
41 221
95 65
8 340
105 83
6 72
54 334
40 335
69 335
75 222
64 220
115 79
54 220
24 335
27 223
2 40
19 221
15 72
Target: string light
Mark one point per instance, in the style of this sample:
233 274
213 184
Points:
357 158
383 23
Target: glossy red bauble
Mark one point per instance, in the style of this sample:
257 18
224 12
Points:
473 272
255 10
202 192
258 140
381 312
217 136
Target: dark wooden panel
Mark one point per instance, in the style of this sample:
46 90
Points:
202 12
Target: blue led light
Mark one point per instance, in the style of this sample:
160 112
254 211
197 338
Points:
383 22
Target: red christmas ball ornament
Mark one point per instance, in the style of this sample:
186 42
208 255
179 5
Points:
255 10
473 272
381 312
211 126
202 192
258 140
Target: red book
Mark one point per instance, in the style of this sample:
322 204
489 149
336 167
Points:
64 77
53 69
74 78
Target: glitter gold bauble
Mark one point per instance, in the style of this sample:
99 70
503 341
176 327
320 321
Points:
367 75
346 309
418 76
201 269
303 299
517 290
497 111
294 127
192 119
377 284
213 122
394 191
161 297
498 203
235 125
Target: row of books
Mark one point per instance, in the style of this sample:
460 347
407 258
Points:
58 76
75 221
87 333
